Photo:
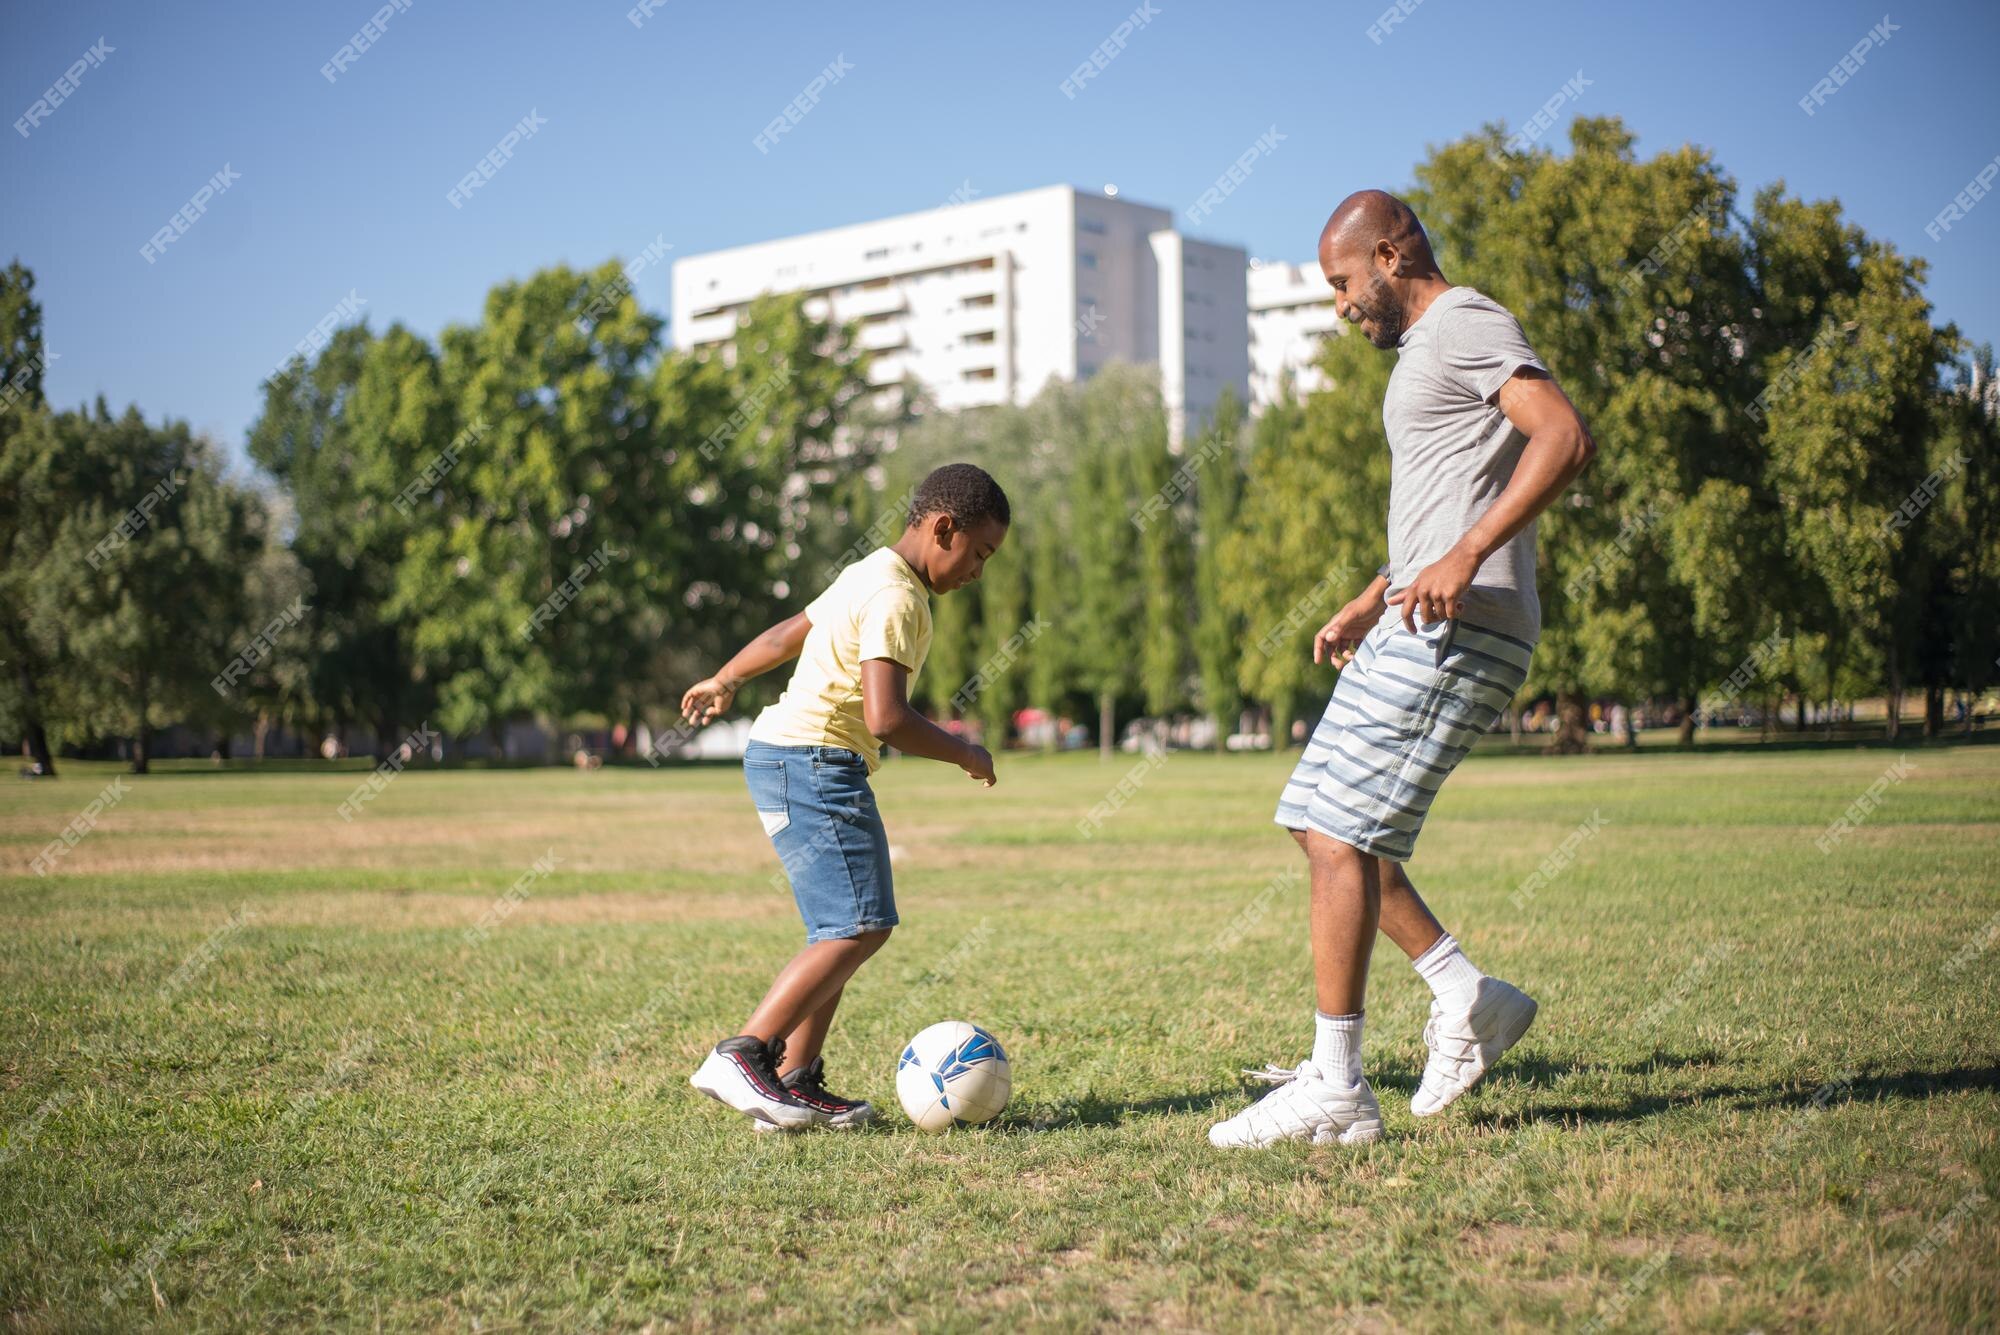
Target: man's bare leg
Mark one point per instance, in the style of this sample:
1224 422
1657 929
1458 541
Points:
1405 918
1346 909
1326 1100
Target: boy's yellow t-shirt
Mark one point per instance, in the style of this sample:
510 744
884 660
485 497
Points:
876 608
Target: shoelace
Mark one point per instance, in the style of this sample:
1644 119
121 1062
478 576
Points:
809 1085
767 1066
1272 1074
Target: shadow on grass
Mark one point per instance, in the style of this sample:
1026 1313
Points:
1860 1088
1088 1111
1531 1071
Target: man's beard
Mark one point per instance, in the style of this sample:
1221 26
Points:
1384 310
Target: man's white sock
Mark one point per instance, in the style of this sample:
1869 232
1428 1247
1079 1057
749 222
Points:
1445 967
1337 1047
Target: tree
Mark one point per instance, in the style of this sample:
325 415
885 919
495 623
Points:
1218 624
1847 443
1109 412
151 589
348 438
34 491
1312 526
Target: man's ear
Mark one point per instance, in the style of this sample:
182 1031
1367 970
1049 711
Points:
942 529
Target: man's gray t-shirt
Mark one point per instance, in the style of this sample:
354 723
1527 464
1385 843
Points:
1452 452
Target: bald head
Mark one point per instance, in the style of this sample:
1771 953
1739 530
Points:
1378 261
1367 217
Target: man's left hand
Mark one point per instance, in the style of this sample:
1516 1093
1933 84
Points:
1438 591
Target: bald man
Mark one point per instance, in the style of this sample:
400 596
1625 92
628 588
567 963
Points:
1481 440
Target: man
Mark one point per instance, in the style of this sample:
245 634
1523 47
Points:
1481 440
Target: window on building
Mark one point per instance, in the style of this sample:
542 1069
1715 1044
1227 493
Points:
978 373
881 253
1092 225
980 336
1087 258
979 299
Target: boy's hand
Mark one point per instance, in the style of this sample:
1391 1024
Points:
1339 639
978 764
707 700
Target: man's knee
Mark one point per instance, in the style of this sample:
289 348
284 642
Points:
1321 850
1299 838
872 941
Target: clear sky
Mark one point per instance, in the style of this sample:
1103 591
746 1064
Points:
341 186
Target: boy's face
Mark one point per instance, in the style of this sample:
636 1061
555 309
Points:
959 554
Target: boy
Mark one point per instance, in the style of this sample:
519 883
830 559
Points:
859 646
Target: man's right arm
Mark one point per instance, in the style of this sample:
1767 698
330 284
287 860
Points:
1339 639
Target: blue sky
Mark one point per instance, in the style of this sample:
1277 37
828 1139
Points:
342 185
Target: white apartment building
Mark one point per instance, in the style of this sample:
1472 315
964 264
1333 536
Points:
983 302
1291 313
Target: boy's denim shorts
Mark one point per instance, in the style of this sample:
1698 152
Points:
817 807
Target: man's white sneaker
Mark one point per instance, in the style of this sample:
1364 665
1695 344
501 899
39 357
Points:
1304 1106
743 1073
1466 1038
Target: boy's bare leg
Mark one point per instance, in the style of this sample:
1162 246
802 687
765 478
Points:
1405 919
811 981
805 1041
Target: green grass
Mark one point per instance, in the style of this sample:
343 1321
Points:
1762 1074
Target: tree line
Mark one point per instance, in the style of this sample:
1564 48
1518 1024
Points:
551 513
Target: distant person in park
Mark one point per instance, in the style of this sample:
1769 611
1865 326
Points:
1481 440
859 645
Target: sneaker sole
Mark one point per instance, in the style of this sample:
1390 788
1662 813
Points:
1360 1133
1511 1033
846 1121
761 1120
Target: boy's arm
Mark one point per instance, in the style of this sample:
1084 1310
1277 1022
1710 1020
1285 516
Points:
885 707
707 700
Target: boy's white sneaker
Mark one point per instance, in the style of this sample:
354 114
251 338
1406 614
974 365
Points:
1305 1106
1465 1037
742 1072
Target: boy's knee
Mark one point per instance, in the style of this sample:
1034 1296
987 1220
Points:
1299 838
873 941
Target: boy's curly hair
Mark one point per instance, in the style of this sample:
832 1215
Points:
966 492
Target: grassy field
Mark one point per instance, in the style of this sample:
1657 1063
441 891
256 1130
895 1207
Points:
262 1068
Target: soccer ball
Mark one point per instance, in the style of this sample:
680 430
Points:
952 1074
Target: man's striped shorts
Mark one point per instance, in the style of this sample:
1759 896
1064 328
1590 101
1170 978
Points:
1404 713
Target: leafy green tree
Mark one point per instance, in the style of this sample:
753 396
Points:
1165 573
1218 623
34 491
1312 526
342 437
151 590
1847 442
1111 411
